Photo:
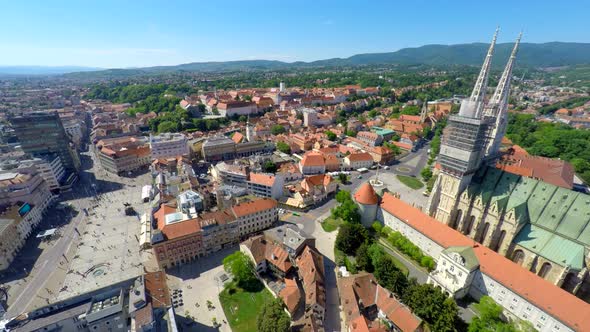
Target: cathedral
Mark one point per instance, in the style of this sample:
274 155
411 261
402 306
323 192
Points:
542 227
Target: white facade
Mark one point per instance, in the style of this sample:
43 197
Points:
428 246
257 221
514 304
243 110
169 145
274 191
74 130
51 170
356 164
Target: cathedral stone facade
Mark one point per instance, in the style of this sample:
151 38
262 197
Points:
542 227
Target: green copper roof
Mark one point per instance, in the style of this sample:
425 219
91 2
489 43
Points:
539 200
503 189
488 184
576 222
382 131
470 261
551 246
557 208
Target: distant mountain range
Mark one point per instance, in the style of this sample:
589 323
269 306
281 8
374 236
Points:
43 70
554 54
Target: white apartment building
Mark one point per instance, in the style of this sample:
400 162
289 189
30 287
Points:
51 170
169 145
266 185
255 216
74 129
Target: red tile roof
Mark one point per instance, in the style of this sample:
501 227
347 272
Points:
311 271
366 195
555 301
278 257
178 229
312 159
291 295
157 289
257 205
262 179
363 156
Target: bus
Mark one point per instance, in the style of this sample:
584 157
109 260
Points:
362 170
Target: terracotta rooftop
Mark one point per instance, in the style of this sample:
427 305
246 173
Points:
366 195
291 295
278 257
157 289
311 271
312 159
362 156
258 205
555 301
262 179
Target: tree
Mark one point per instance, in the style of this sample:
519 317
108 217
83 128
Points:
432 305
277 129
350 237
343 178
272 318
389 275
372 113
363 260
343 196
167 127
350 133
377 227
269 166
243 118
426 173
240 266
215 111
489 318
283 147
331 136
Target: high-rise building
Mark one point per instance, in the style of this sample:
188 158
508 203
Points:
43 133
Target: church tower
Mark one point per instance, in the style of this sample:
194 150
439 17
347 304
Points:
497 109
462 148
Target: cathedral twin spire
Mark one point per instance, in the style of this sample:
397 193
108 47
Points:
475 107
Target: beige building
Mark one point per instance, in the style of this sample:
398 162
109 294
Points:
123 154
255 216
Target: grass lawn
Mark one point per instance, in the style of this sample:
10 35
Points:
410 181
241 308
330 224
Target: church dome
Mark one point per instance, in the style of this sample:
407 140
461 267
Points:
366 195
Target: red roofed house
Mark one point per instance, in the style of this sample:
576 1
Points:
313 163
369 138
310 266
465 267
382 155
291 295
319 186
358 160
277 260
365 303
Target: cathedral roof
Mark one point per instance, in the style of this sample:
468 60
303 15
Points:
366 195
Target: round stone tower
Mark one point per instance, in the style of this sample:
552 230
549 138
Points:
368 202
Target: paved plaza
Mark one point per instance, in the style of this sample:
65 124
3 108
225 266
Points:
199 284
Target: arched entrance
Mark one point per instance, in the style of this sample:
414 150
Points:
545 269
570 282
500 240
484 233
455 223
518 257
469 226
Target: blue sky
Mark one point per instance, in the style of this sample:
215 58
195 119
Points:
128 33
